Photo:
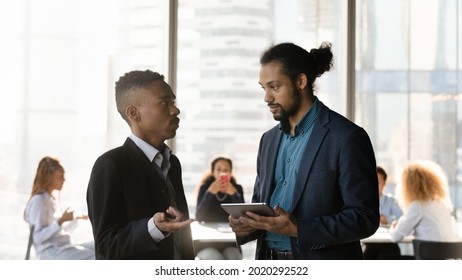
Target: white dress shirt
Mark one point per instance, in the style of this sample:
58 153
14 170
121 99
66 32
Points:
154 154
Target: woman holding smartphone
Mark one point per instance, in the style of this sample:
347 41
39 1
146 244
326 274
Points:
218 187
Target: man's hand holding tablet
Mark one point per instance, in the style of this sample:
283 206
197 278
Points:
260 217
239 209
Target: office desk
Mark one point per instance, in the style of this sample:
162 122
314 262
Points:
81 231
212 232
383 236
217 235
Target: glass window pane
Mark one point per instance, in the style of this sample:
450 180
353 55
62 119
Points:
60 60
221 102
408 82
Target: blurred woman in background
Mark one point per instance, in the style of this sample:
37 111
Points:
424 197
218 186
52 240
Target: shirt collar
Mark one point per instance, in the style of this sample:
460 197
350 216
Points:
149 150
305 122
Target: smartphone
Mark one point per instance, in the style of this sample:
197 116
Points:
225 177
169 216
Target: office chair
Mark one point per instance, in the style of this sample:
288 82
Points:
433 250
31 242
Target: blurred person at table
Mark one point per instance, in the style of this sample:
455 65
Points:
424 197
389 211
51 236
315 167
218 186
136 201
389 207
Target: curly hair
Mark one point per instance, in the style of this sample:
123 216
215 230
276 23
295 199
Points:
423 181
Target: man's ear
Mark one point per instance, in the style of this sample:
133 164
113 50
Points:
302 81
132 113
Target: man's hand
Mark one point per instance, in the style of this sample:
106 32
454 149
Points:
284 223
171 220
239 228
383 220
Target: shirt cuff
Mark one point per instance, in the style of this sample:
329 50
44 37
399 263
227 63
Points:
55 226
155 233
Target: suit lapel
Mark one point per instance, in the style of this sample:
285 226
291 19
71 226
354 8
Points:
270 164
317 137
144 167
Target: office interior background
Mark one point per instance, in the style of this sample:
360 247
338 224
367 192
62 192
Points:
397 74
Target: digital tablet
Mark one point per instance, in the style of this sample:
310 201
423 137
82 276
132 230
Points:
239 209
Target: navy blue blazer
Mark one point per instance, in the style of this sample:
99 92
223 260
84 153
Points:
336 196
124 192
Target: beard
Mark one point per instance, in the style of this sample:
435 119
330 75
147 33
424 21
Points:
290 110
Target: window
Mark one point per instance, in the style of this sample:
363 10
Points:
60 60
408 83
219 44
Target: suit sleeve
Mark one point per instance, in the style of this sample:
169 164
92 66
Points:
346 206
116 237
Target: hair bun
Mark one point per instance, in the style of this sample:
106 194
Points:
323 58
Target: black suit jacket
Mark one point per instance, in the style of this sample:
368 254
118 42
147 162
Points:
124 192
335 198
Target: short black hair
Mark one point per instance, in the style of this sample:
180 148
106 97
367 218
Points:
380 170
128 82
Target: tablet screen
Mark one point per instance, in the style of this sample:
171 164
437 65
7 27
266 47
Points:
238 209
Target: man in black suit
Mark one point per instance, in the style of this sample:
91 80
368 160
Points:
316 168
135 195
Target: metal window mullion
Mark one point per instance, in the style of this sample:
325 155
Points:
350 60
172 50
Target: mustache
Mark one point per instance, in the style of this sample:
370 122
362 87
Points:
175 120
